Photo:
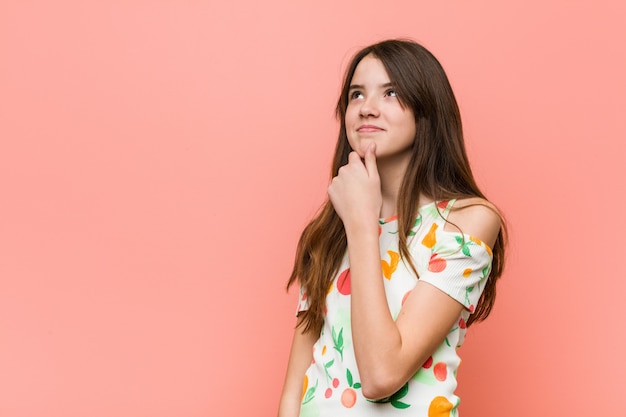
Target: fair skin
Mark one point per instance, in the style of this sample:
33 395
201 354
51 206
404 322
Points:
300 358
375 116
387 352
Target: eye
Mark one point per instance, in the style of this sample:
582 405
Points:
391 93
356 94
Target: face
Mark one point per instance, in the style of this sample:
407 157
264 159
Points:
374 113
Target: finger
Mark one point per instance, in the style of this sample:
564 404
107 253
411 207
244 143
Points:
370 160
353 158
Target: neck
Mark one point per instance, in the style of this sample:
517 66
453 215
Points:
391 171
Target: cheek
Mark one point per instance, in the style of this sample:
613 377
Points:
351 139
351 117
413 129
349 122
409 125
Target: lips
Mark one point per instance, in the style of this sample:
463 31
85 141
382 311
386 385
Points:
369 129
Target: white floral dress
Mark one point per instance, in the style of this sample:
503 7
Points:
457 264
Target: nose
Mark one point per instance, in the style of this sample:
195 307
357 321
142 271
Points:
369 107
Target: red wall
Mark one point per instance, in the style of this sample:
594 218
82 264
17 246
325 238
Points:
158 160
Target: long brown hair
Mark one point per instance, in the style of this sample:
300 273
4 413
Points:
438 169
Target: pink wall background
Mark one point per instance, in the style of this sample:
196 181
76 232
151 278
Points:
158 160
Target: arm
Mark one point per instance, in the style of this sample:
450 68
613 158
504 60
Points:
300 358
388 353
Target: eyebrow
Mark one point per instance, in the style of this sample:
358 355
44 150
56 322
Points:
361 87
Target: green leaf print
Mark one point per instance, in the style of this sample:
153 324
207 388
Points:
338 341
465 244
426 377
401 393
350 378
453 412
399 404
418 221
326 366
485 271
395 398
310 393
467 299
381 401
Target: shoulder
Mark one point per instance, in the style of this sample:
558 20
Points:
476 217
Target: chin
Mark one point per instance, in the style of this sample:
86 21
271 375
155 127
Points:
364 144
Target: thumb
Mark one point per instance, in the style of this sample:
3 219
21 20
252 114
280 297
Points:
370 160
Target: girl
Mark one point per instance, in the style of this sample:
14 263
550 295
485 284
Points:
403 256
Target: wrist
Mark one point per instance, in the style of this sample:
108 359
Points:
362 229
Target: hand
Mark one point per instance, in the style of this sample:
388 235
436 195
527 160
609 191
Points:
355 191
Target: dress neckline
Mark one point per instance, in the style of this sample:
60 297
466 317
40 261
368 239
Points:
443 205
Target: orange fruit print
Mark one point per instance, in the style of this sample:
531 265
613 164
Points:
305 385
390 267
430 239
439 407
348 398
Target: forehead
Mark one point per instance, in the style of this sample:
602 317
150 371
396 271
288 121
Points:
370 72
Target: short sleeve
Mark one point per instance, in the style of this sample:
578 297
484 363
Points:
303 300
459 266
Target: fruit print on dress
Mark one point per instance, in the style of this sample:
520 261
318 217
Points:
343 282
454 329
449 260
430 239
436 263
390 267
416 224
425 375
308 407
338 341
395 399
468 302
465 244
327 364
348 396
308 393
412 232
441 407
440 370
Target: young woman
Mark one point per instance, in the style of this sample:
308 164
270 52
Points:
403 256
